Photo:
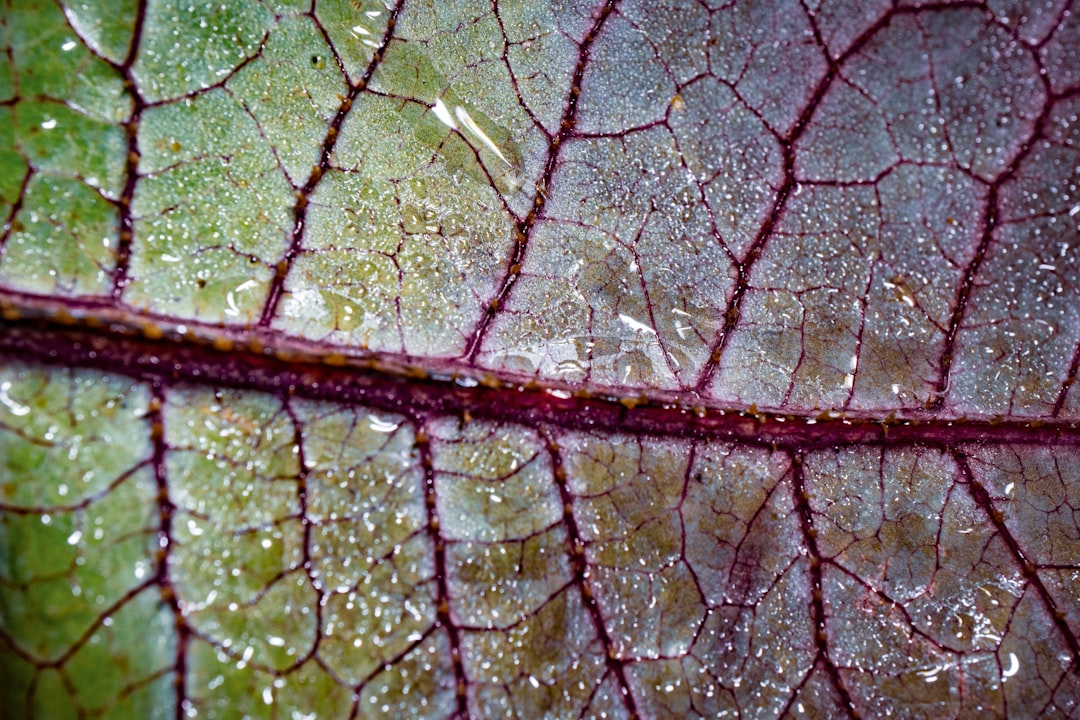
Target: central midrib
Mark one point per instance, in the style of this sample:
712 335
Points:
82 335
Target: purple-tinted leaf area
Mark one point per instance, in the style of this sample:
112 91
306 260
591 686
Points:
615 359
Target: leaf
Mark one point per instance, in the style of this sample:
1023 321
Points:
607 359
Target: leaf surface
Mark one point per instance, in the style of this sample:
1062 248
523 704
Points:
548 359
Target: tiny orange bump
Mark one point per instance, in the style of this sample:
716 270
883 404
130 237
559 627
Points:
222 343
64 317
560 473
493 306
700 411
677 102
515 269
466 416
461 690
154 406
586 591
568 510
434 524
152 331
9 312
629 402
133 158
346 103
814 562
421 437
286 354
256 345
331 133
334 359
157 431
490 381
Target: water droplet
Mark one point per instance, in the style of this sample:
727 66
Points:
1014 667
16 409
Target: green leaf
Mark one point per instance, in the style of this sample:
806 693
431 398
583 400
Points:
539 359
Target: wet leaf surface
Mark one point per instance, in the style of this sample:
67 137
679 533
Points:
558 359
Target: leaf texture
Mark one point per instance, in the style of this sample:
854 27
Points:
539 359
